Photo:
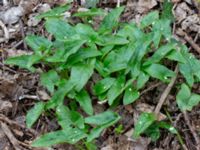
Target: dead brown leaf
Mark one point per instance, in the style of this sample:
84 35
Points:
5 106
144 6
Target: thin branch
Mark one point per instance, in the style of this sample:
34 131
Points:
10 136
166 93
6 32
196 137
180 32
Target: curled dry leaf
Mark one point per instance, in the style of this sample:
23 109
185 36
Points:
12 15
108 147
33 21
43 95
144 6
11 90
192 22
181 11
44 8
5 106
139 144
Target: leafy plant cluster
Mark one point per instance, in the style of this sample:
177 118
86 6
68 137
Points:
125 55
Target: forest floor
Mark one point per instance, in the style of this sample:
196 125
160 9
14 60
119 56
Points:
20 89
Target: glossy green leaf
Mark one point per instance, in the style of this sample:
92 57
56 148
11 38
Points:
186 100
130 31
102 97
119 59
141 80
167 126
24 61
77 119
60 94
116 89
103 85
141 48
55 12
82 54
167 10
38 43
161 28
80 74
145 120
130 95
59 28
156 38
63 116
86 31
161 53
111 40
95 132
65 50
102 118
177 56
190 69
153 132
149 19
34 113
160 72
111 20
91 145
49 80
71 136
85 101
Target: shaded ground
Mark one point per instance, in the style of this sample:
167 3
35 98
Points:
19 89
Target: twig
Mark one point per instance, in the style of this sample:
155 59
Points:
17 44
7 68
196 137
34 97
10 136
166 93
6 32
180 32
13 123
22 33
150 88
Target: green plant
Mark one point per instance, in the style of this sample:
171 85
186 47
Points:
125 55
